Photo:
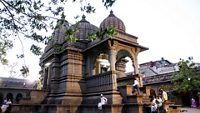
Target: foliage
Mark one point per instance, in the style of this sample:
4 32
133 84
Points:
58 48
5 44
108 32
24 71
168 87
27 17
187 79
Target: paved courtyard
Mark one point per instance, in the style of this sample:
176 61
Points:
191 110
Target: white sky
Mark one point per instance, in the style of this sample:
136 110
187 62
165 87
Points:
169 28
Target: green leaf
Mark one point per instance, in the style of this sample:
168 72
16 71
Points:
4 61
24 71
36 50
110 32
58 48
92 36
108 3
37 37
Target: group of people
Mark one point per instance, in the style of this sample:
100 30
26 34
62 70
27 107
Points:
6 106
158 102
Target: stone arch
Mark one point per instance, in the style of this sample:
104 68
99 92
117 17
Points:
19 96
1 98
9 96
122 53
124 56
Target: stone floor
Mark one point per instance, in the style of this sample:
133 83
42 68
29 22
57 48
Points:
190 110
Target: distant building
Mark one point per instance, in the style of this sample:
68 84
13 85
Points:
158 74
15 89
157 67
16 83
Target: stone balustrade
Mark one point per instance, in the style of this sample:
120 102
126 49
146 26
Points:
100 82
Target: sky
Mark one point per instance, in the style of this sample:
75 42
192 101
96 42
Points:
169 28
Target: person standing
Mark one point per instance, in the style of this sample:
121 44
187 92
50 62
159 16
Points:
4 106
164 98
9 108
193 103
154 105
102 102
159 102
136 86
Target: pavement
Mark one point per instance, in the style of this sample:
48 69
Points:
190 110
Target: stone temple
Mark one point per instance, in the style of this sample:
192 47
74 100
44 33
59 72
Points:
77 76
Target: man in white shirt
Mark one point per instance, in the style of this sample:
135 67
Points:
159 102
102 102
136 86
164 98
6 107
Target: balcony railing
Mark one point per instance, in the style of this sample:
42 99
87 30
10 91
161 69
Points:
100 82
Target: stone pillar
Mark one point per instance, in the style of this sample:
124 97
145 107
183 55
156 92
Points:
48 77
90 65
45 78
135 62
112 58
135 65
140 79
88 70
54 74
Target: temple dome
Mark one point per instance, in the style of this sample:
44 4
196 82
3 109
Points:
85 28
60 31
113 21
59 34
